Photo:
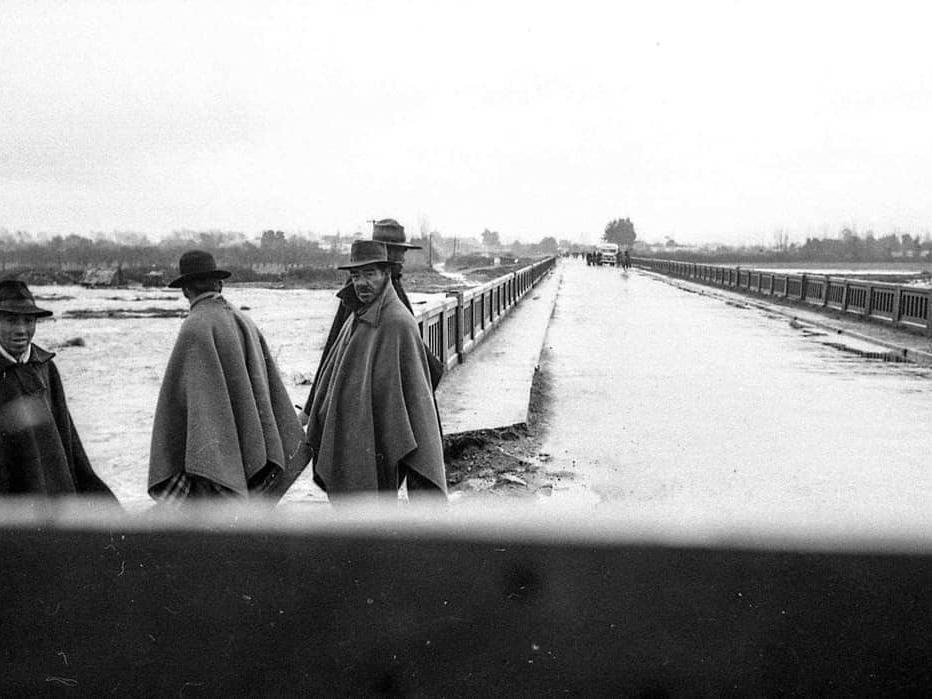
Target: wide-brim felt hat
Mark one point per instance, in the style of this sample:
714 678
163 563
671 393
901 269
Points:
392 233
15 297
365 252
197 264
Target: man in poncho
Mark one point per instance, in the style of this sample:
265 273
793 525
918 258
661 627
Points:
372 423
392 234
224 424
40 452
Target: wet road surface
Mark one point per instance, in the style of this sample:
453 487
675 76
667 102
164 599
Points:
664 401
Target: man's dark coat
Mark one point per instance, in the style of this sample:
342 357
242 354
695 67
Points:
40 452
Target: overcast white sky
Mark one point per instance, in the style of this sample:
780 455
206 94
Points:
704 121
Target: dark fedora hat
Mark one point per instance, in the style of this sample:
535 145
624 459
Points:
197 264
365 252
15 297
392 233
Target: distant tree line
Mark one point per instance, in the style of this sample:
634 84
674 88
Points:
64 257
272 253
138 251
848 246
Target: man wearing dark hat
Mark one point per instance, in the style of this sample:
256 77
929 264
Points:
40 452
224 424
392 234
372 420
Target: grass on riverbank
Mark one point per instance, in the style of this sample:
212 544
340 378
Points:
420 280
417 277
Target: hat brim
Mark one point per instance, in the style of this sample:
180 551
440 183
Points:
215 274
409 246
34 311
362 263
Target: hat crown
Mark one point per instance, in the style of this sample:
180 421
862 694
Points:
366 252
392 233
15 297
196 262
388 230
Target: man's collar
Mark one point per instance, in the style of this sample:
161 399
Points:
372 312
348 297
203 297
10 359
34 354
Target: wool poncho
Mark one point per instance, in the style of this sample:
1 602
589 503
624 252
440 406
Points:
374 406
40 451
223 412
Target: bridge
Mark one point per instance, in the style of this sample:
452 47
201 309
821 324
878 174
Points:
747 513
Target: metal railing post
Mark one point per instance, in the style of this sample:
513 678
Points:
929 314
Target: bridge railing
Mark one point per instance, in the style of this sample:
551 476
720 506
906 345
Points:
903 306
452 329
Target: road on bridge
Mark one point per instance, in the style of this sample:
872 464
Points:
665 402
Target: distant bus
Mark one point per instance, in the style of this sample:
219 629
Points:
608 254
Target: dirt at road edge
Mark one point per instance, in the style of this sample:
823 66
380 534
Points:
507 461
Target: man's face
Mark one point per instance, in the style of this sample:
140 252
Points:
368 282
16 332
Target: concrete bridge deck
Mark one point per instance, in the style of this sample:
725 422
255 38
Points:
687 405
492 387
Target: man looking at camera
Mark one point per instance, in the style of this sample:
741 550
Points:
40 452
372 424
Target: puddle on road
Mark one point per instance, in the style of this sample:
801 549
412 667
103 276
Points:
884 355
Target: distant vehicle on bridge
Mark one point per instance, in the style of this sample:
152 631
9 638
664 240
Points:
608 254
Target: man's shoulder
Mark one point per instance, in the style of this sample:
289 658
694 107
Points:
394 313
198 317
212 311
41 355
219 322
43 361
242 317
207 319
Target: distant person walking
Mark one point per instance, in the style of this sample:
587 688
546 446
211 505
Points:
626 260
40 451
224 424
372 421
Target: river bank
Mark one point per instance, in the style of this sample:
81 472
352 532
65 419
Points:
418 278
